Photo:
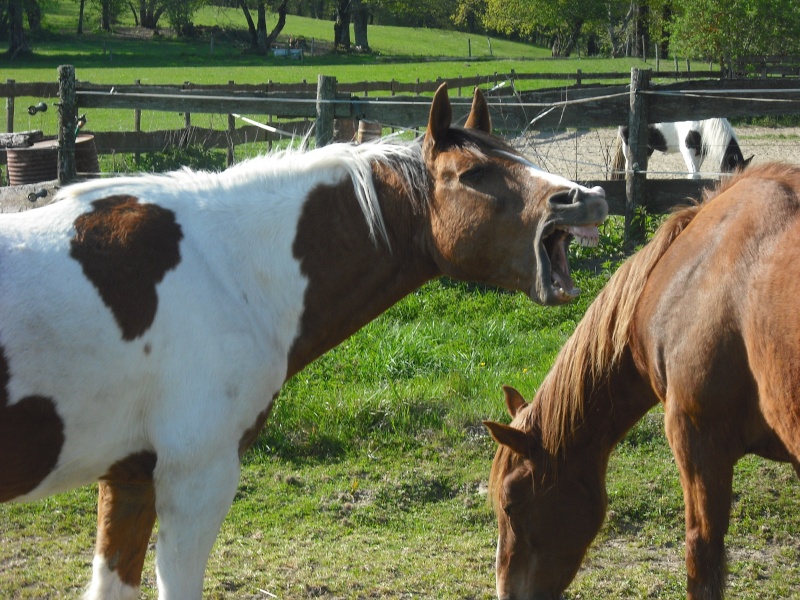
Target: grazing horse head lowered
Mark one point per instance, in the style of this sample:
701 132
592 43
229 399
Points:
148 322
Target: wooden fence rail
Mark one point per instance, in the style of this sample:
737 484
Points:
640 102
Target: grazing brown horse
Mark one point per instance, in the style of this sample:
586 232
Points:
704 319
147 323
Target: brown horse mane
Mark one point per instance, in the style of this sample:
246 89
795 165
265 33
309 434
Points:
598 341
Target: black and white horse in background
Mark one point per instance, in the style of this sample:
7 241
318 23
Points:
710 139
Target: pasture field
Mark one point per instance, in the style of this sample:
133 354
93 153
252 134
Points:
369 480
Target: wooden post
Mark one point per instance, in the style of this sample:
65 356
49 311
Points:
137 124
231 133
636 177
10 108
67 124
326 94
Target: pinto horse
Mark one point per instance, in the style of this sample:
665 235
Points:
148 322
703 320
697 141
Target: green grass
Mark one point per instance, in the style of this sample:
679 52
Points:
369 478
403 54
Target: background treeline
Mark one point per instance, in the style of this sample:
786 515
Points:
702 29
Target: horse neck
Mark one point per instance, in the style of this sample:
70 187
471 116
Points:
353 278
611 404
594 393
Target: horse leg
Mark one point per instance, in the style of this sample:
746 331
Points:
692 160
191 501
126 513
706 473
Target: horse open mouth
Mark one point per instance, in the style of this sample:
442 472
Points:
554 283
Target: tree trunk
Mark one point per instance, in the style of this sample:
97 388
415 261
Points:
251 26
17 43
341 27
80 17
643 39
150 12
133 10
360 21
564 43
261 28
105 15
34 13
278 26
666 17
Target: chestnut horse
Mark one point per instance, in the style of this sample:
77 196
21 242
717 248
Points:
703 320
148 322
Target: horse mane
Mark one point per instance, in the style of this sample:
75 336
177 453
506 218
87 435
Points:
716 134
598 342
292 167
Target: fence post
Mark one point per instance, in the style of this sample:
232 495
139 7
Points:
326 93
10 107
636 176
231 134
137 125
67 124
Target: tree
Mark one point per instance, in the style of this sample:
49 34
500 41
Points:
80 16
469 14
180 13
17 42
560 20
341 25
734 29
149 12
360 22
260 40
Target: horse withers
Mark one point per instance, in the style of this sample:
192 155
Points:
703 320
712 140
148 322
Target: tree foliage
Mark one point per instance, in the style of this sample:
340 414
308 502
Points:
728 30
560 21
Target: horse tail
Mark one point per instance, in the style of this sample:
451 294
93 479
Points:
618 158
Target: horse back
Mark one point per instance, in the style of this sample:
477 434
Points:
717 331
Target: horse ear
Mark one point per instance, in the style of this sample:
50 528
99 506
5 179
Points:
515 439
514 400
440 118
479 117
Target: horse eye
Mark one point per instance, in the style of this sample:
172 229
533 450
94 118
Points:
474 174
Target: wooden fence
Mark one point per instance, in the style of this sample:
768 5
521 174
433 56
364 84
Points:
591 106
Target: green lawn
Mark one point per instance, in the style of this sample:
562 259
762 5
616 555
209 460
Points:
369 479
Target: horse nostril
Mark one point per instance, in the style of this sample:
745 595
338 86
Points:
566 197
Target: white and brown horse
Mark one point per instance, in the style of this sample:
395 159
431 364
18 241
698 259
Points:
147 323
712 140
702 320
